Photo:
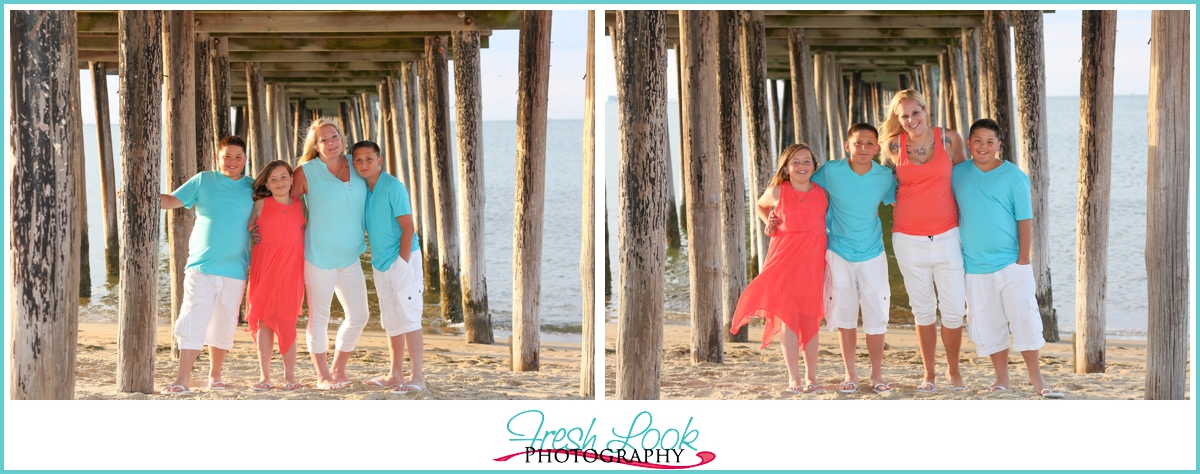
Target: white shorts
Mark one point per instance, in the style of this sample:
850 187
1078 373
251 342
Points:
209 313
928 260
851 285
1004 303
400 290
351 287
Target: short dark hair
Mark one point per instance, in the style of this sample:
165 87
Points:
989 124
231 140
364 144
861 126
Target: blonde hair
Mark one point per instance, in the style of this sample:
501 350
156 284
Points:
310 141
891 127
781 171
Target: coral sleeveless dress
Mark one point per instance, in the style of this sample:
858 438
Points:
277 271
789 289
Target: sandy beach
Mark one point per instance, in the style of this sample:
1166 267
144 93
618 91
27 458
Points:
750 373
454 370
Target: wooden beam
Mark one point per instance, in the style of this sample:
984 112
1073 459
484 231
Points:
587 258
1167 256
140 109
732 207
477 322
757 118
322 56
108 186
641 59
179 106
205 142
328 21
446 209
994 43
412 138
430 252
322 66
45 299
1095 176
262 149
221 90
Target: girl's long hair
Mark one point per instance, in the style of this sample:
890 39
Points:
260 182
310 141
891 126
781 175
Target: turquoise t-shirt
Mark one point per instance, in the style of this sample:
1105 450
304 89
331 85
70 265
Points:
989 206
333 237
388 201
220 242
855 232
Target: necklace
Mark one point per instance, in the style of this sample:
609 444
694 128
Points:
800 193
339 171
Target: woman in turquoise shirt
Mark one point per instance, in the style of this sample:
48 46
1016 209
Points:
333 240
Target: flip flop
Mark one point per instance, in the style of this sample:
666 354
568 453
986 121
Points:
881 388
170 390
411 389
329 386
216 385
1051 393
814 388
260 387
377 382
292 387
847 387
932 387
958 389
795 389
997 388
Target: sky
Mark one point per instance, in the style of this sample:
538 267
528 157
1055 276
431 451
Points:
1063 31
498 66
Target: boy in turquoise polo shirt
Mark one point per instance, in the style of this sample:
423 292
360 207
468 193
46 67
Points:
856 273
995 221
396 266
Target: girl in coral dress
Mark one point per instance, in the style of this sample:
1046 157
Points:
789 288
276 271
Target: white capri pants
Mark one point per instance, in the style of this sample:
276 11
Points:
1004 303
209 313
350 285
400 290
928 260
851 285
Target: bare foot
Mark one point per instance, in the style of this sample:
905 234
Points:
956 381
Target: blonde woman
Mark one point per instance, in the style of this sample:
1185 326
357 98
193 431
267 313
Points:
925 230
333 240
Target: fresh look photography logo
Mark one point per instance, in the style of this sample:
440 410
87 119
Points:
641 442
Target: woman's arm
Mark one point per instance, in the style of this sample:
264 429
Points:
954 146
889 151
407 231
299 183
168 201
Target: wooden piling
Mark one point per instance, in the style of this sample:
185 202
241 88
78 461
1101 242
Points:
1035 153
141 60
299 124
367 116
818 67
1167 256
477 321
179 94
674 237
412 137
683 153
381 130
959 87
397 127
776 117
385 131
946 93
994 43
533 71
239 129
45 296
587 253
278 112
261 147
346 121
787 121
221 91
732 205
443 189
108 185
205 134
836 101
1095 157
698 33
757 116
974 77
929 90
803 95
81 258
642 102
430 252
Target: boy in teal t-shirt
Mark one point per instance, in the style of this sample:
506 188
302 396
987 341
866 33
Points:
396 266
995 221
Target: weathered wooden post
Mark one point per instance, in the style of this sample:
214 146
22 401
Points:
239 129
430 252
299 126
397 127
385 130
803 95
347 122
642 103
787 121
587 254
141 60
1167 203
367 116
674 238
929 84
45 296
732 206
469 113
837 125
412 136
80 259
970 38
219 64
1095 160
179 94
261 147
205 127
698 33
776 115
443 189
756 112
279 113
533 71
818 68
683 152
1035 149
994 47
946 94
856 93
108 185
959 88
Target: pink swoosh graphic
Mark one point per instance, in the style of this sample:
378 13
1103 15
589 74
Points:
705 458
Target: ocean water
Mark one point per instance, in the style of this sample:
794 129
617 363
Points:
1126 292
561 292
